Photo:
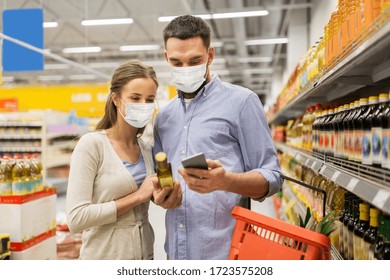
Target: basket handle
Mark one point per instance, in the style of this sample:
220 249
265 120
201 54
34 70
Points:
309 187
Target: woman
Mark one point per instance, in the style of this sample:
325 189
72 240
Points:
112 178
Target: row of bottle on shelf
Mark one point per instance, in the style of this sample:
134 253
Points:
19 143
347 24
19 130
20 175
358 131
362 231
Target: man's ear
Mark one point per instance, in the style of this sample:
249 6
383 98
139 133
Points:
211 55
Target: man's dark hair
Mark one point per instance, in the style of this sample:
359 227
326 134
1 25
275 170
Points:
186 27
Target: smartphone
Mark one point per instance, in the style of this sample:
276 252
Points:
195 161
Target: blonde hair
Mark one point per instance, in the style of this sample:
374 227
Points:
126 72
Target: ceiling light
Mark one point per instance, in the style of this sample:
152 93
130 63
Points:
134 48
93 22
82 77
272 41
82 50
50 24
256 13
53 66
254 59
50 78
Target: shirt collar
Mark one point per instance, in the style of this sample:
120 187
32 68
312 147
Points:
206 90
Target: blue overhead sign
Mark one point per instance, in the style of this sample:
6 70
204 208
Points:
25 25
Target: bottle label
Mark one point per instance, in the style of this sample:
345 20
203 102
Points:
350 245
6 188
376 145
18 188
366 147
385 147
166 182
358 145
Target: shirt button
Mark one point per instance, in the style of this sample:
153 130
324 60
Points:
185 127
183 152
204 94
181 226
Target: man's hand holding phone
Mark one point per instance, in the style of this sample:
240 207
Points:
201 175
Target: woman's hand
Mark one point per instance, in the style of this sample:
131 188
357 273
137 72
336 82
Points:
147 187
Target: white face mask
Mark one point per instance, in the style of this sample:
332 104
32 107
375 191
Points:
138 114
189 79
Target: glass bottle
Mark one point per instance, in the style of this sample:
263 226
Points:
164 170
354 219
371 234
359 230
376 131
348 215
353 133
367 136
384 253
379 239
385 134
341 218
358 127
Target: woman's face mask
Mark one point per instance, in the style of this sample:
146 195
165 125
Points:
138 114
189 79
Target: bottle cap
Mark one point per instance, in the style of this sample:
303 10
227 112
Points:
363 101
373 99
383 97
374 212
161 156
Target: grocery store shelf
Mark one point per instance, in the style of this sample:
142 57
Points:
21 136
366 64
53 135
21 150
21 124
369 183
299 208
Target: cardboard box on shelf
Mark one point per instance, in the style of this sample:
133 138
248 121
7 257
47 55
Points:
44 250
28 216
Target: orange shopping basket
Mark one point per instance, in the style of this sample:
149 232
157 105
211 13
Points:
258 237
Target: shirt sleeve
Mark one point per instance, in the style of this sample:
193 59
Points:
157 141
256 144
82 213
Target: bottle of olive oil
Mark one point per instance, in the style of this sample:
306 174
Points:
164 170
359 230
370 235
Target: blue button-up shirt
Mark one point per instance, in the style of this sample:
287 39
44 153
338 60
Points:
225 122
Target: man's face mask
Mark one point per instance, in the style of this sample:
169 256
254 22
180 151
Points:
189 79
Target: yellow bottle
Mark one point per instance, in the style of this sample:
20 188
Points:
164 170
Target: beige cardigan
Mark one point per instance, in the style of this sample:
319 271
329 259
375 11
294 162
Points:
97 178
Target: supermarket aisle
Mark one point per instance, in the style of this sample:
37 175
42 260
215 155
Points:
157 219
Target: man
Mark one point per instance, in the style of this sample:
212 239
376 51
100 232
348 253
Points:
225 122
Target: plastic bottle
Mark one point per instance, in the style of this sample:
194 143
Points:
17 177
5 177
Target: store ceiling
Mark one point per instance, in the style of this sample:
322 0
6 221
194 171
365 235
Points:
250 66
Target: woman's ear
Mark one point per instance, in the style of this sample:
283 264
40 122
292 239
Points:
115 100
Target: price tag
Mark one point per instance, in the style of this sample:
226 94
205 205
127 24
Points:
335 175
380 198
352 184
322 170
313 165
307 163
